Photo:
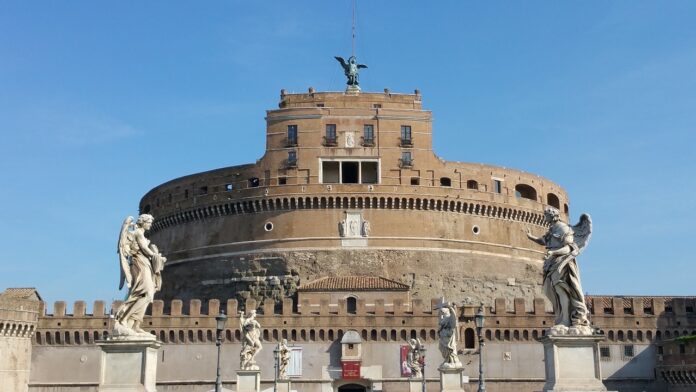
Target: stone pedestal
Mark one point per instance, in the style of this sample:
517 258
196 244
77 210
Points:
128 365
283 385
572 363
451 379
415 385
248 380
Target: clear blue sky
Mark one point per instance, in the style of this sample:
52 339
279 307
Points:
99 102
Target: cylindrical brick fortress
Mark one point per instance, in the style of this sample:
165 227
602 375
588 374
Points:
349 185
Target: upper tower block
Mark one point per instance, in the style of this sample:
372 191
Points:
391 130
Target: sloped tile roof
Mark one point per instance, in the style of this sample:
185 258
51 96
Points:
21 293
353 283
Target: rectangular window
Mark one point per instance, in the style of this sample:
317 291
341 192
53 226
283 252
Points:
628 351
369 173
376 105
406 160
415 181
253 182
203 190
349 172
282 180
295 365
292 158
368 135
605 353
186 194
497 186
330 134
292 135
406 135
229 187
330 172
682 349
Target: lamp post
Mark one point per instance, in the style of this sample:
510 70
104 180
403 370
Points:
276 366
479 320
421 349
221 320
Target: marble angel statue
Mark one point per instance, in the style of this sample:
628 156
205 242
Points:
561 275
447 332
415 358
251 340
141 271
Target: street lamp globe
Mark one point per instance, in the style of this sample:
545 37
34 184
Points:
480 319
221 320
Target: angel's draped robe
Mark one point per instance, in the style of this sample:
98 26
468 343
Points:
561 273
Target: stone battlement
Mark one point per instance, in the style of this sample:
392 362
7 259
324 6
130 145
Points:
623 319
606 306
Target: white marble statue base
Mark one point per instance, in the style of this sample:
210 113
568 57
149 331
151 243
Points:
572 363
283 386
415 385
248 380
451 379
128 365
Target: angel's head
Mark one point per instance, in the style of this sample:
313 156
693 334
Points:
145 221
552 215
445 311
352 60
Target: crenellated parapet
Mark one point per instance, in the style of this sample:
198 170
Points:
507 320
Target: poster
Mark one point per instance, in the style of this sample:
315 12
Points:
405 370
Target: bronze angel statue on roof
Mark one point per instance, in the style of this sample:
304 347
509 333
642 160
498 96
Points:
561 274
350 69
141 270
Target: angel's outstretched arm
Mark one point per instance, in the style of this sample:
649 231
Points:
538 240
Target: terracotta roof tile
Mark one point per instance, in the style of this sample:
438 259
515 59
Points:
353 283
21 293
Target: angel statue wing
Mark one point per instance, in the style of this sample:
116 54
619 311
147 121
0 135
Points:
582 232
123 250
362 66
343 62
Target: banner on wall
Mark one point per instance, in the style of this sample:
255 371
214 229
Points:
405 370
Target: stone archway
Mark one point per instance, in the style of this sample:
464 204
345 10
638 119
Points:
352 388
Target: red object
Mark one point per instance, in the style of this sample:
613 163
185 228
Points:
403 363
351 370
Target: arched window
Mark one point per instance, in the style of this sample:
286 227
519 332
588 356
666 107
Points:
472 184
469 338
445 181
525 191
553 201
352 305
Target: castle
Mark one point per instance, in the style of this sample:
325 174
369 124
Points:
350 226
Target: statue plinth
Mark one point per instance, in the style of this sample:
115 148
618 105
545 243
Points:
248 380
283 385
352 89
572 363
451 379
415 385
128 365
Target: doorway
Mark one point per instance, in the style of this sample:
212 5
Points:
352 388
